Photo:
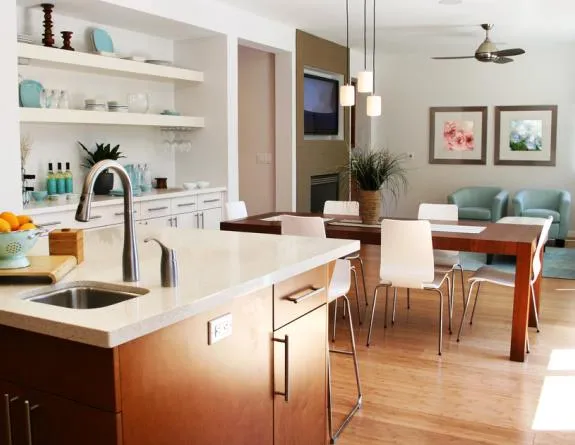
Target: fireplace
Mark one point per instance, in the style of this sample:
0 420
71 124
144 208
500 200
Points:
323 188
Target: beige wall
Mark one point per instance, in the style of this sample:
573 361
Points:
256 122
316 157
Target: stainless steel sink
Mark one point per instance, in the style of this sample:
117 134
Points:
85 294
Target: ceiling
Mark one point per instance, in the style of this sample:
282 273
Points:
426 25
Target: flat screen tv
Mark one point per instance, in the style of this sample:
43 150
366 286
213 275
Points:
321 105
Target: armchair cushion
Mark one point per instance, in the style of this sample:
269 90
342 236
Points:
542 213
479 213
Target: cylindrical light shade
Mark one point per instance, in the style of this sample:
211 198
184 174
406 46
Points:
347 95
365 82
374 106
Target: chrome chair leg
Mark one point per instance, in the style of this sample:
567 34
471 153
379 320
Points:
533 303
334 435
463 293
373 312
334 320
363 279
329 395
356 295
468 300
475 303
450 300
440 340
394 304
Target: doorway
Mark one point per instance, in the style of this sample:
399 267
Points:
256 129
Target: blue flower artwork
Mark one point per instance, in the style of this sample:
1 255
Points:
526 135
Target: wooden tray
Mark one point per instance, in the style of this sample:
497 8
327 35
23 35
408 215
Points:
49 269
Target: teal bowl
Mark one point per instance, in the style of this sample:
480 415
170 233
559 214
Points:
39 195
14 246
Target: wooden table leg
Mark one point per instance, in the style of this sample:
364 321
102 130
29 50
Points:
521 301
537 286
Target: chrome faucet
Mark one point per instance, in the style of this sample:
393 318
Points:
130 266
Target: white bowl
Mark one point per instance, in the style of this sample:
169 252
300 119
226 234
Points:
190 185
138 103
57 198
203 184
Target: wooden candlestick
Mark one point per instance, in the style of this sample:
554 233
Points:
48 39
67 36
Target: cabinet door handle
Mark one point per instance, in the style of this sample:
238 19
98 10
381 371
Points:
202 220
122 213
176 221
28 421
188 204
197 220
207 201
7 402
285 341
298 297
95 217
157 209
51 223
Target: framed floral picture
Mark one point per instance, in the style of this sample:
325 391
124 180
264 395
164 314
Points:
458 135
525 135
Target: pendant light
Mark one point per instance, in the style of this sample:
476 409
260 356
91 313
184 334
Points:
365 77
373 101
347 91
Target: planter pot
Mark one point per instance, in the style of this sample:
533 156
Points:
104 183
370 206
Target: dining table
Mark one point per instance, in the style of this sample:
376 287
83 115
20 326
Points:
517 240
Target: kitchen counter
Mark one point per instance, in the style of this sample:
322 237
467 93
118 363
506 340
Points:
214 268
46 206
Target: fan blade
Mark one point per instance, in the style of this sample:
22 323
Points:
452 58
509 52
502 60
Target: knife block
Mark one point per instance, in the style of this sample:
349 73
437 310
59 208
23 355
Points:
67 242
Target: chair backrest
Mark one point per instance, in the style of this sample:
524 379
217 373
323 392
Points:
542 240
313 226
438 212
348 208
479 196
236 210
540 198
406 253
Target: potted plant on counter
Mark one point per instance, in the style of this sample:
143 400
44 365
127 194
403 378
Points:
105 182
376 171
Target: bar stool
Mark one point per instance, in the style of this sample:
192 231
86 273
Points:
338 288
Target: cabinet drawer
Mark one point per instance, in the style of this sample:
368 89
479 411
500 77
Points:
299 295
51 221
155 209
186 204
115 214
209 201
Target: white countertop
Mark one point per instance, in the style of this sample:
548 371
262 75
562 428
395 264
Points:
46 206
215 267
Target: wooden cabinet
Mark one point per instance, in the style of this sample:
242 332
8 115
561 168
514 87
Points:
33 417
300 370
196 393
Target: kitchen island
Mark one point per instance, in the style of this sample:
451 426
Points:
143 372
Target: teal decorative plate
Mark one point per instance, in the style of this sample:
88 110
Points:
102 41
30 91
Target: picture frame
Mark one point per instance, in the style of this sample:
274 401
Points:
458 135
525 135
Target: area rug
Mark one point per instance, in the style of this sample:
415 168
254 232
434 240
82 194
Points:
557 263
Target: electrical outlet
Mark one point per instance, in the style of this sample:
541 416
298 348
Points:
219 328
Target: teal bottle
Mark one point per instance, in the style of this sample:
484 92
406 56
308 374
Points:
60 180
51 181
69 179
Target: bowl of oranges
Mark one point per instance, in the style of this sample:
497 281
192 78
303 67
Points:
18 234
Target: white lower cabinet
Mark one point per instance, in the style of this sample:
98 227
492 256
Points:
187 220
206 219
211 218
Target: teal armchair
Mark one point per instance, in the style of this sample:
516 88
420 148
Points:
480 203
542 203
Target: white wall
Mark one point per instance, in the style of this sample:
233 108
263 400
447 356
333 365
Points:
412 84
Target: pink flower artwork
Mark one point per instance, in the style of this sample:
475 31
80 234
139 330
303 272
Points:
458 136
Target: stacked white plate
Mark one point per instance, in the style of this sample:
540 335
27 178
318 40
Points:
25 38
93 105
118 108
160 62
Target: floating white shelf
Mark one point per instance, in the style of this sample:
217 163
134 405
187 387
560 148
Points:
57 116
79 61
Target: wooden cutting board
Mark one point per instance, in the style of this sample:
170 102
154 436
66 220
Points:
50 269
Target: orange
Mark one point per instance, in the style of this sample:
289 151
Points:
24 219
28 226
4 226
11 219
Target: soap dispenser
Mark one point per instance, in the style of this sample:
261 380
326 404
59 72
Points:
168 265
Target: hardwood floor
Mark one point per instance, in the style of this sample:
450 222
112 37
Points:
472 394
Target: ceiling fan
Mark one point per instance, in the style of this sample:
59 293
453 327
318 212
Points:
488 52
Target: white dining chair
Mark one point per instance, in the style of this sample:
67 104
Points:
488 274
445 260
338 288
348 208
407 261
236 210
